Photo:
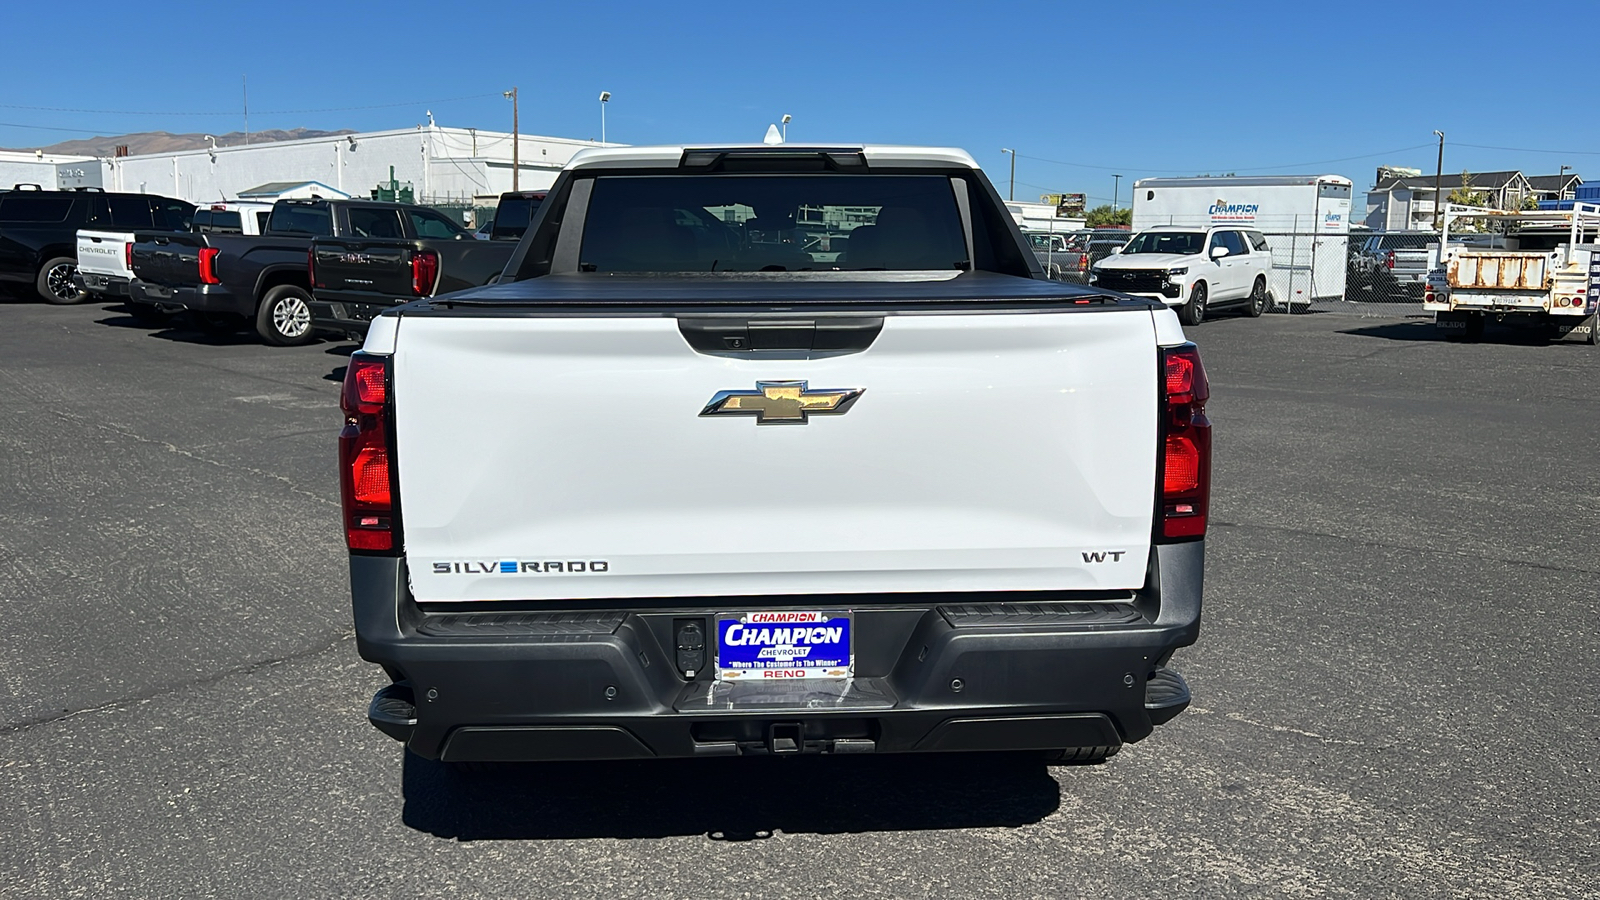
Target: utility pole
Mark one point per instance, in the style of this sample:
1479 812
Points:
1561 183
516 142
1012 193
1116 188
1438 179
245 79
605 97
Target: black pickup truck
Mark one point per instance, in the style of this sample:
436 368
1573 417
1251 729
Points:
419 253
234 279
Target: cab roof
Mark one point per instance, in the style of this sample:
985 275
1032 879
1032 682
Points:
674 156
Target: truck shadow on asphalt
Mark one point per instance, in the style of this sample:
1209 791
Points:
726 799
1427 332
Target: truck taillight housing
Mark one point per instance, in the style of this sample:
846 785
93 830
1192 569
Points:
208 266
1083 262
311 267
127 254
1184 488
366 465
1390 259
424 272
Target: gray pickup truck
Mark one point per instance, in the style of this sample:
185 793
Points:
1395 262
676 487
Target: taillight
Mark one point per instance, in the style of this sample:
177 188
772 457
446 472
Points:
366 467
208 266
127 254
311 267
1185 489
1083 262
424 271
1391 259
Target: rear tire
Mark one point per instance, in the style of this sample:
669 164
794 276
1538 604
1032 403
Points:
1258 299
55 282
1194 312
284 317
1080 755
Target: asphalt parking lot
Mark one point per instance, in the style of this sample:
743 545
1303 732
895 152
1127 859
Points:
1396 689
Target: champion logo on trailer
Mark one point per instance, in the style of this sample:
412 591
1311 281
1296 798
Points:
1223 211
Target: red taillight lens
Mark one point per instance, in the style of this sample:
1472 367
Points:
1391 259
1185 445
127 254
311 266
366 474
208 266
1083 262
424 272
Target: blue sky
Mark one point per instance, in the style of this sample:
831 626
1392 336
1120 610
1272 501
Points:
1082 90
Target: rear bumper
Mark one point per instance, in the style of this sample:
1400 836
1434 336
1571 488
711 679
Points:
109 285
933 673
200 298
349 317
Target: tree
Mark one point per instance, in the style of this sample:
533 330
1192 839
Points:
1465 195
1103 215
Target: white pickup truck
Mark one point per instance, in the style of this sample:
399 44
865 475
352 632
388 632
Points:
676 486
1544 270
104 253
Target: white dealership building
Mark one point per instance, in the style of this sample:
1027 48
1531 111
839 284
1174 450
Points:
438 164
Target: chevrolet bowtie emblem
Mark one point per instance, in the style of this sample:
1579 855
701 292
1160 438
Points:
781 402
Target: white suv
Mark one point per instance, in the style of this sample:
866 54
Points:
1193 269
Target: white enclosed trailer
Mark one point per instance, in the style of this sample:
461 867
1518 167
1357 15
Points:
1306 219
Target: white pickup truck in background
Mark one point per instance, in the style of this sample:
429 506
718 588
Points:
676 486
104 254
1544 271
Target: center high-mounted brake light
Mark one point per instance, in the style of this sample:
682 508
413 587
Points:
1185 480
208 266
366 469
424 272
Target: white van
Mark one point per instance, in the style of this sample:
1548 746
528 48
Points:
1305 218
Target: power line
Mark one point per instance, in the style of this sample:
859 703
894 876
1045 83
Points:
268 112
1318 162
49 128
1525 149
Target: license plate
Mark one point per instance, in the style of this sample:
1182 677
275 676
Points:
95 280
761 646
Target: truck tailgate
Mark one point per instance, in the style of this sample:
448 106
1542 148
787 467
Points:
380 266
103 253
551 457
168 259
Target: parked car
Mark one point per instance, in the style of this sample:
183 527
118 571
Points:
39 243
1396 261
626 503
233 280
1193 269
358 277
1069 257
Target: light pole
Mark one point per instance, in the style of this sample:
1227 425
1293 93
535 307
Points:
605 97
786 118
1012 193
1561 183
1438 179
516 141
1116 188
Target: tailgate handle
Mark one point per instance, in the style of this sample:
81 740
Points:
743 336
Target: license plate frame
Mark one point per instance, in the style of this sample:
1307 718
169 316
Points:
775 645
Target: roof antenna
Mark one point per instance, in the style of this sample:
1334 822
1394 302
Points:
773 135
